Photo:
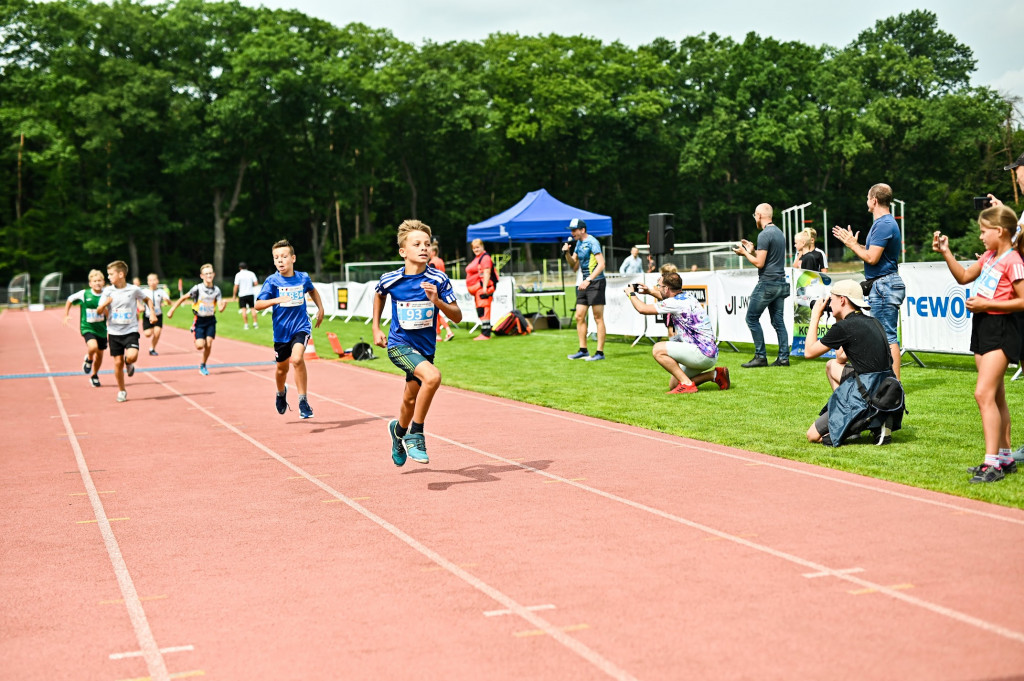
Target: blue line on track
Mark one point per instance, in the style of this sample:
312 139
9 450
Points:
190 367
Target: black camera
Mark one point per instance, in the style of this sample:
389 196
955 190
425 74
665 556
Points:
827 310
635 287
982 202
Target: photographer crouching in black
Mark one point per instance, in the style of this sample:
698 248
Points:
863 397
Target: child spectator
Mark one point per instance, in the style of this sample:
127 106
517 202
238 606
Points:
93 326
287 289
206 301
995 340
417 293
122 299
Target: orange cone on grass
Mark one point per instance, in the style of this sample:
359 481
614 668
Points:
310 350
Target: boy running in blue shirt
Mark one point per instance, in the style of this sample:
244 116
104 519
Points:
287 289
417 291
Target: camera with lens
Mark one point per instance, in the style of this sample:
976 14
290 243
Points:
635 287
827 310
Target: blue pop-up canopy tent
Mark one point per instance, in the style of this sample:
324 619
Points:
538 217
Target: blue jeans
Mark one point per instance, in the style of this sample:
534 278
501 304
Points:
770 295
885 299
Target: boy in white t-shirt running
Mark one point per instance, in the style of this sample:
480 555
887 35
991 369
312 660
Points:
206 301
122 299
245 294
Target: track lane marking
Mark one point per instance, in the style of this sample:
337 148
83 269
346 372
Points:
144 635
574 645
894 593
593 421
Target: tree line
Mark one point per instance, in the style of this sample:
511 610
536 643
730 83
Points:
178 133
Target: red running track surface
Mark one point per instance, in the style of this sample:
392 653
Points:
194 532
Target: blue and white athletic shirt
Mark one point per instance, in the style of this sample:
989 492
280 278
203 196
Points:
413 316
290 317
587 250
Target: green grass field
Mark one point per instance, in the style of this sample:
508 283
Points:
766 410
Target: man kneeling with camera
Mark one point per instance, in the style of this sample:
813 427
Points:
690 353
866 394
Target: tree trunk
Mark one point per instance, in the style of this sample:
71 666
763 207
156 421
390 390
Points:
154 250
367 199
703 223
319 241
133 257
341 244
412 189
221 215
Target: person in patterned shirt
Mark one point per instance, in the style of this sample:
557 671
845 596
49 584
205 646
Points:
690 353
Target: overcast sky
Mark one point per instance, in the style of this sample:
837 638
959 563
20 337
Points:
993 29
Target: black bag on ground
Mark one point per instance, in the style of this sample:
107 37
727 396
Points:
362 351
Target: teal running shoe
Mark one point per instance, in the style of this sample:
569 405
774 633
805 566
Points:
416 447
398 454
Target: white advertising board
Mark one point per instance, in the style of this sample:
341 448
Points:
934 316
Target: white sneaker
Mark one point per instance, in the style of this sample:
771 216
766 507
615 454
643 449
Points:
255 325
245 327
122 396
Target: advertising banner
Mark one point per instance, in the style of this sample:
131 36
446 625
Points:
730 307
809 287
934 316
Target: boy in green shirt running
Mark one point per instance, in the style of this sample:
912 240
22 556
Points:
93 325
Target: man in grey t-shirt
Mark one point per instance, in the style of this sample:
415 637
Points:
772 289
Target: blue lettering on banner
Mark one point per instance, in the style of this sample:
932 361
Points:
951 307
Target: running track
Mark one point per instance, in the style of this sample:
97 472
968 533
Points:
194 532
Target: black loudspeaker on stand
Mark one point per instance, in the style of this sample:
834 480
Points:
661 236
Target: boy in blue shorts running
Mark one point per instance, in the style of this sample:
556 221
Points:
206 301
417 292
287 289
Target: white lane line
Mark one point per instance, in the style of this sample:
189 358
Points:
534 608
578 647
594 422
139 653
143 634
956 615
832 573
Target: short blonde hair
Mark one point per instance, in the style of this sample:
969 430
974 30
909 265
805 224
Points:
119 265
408 227
93 273
205 265
668 268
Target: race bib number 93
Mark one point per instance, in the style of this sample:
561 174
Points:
415 314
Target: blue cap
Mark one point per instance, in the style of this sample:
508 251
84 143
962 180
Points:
577 223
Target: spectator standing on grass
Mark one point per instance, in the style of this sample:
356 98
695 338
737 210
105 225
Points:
862 354
583 253
245 293
1017 167
995 339
481 281
771 290
632 264
881 254
690 353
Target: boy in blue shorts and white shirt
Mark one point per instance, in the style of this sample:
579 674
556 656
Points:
122 299
206 301
287 289
417 292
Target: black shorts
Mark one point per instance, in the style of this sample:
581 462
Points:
283 351
118 344
146 324
246 301
995 332
593 294
101 341
204 327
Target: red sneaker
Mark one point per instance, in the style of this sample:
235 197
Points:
682 388
482 337
722 378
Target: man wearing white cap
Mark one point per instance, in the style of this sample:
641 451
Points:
861 348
